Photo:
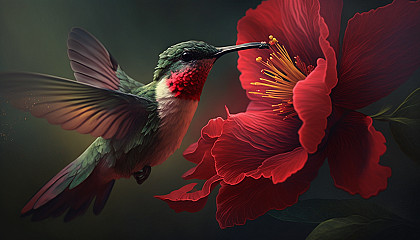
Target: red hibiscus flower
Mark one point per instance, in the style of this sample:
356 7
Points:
302 109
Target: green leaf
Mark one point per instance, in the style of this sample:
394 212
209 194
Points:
319 210
382 113
357 227
405 125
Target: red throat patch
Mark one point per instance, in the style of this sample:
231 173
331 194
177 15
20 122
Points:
188 83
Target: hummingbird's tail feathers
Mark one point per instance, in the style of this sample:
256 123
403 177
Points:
76 106
102 197
58 196
93 64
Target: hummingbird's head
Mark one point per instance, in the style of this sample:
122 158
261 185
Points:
184 66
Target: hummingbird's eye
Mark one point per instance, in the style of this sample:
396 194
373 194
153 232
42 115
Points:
187 56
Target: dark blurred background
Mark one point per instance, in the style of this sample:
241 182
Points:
33 38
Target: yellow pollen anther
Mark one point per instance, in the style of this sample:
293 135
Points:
282 75
273 40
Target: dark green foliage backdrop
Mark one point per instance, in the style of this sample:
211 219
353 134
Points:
33 38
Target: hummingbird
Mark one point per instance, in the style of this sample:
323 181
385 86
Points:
137 126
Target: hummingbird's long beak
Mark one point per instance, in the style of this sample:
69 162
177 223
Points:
234 48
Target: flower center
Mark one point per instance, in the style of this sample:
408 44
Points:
283 74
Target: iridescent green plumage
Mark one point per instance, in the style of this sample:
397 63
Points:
169 60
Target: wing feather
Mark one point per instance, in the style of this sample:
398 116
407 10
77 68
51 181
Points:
93 64
90 60
76 106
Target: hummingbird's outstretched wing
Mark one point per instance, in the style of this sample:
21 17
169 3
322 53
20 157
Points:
93 64
77 106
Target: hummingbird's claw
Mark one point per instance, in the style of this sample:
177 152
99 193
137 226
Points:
142 175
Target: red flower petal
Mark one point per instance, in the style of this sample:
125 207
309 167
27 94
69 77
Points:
258 105
312 102
213 129
195 154
297 30
354 148
281 166
250 138
209 133
204 170
252 198
311 98
331 12
380 51
184 200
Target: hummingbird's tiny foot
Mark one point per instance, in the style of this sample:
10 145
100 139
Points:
142 175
